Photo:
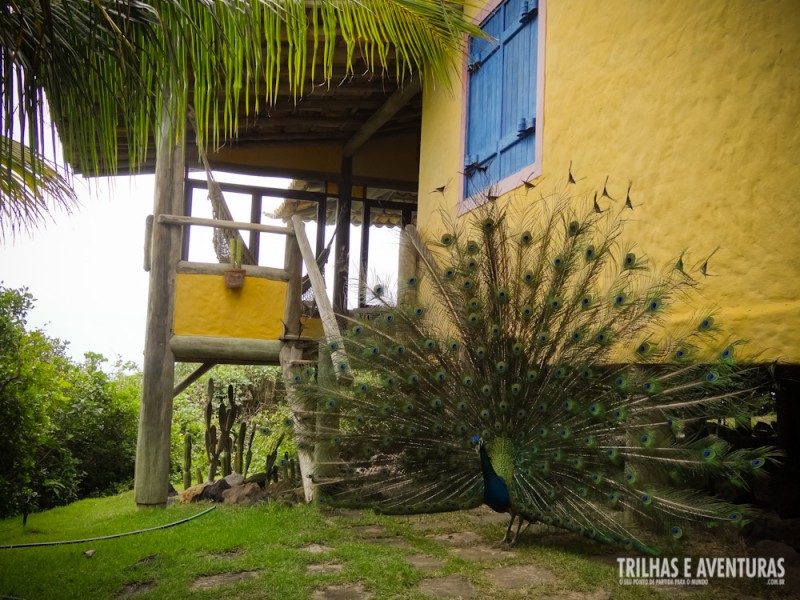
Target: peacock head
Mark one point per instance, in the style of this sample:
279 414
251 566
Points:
477 442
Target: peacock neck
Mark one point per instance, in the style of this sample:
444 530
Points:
498 462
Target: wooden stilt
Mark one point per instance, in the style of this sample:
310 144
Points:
291 354
155 413
341 272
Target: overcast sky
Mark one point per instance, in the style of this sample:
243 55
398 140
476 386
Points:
85 269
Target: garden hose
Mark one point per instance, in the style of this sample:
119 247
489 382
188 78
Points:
107 537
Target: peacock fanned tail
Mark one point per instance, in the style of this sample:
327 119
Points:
545 336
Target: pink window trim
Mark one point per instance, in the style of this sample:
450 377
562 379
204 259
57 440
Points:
531 171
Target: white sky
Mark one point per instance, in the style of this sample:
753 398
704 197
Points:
85 269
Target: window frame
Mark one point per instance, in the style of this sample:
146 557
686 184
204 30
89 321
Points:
530 171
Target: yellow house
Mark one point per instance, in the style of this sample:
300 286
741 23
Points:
696 104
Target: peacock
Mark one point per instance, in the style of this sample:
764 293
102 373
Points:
541 366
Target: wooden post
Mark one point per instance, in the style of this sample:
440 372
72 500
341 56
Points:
406 268
364 262
155 413
341 272
290 355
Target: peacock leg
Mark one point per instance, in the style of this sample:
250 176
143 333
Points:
519 526
508 531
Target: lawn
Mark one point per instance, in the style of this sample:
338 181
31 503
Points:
280 552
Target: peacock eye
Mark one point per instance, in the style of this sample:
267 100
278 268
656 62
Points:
590 253
706 323
447 239
630 260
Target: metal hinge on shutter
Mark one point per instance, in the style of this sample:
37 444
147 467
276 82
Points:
528 10
526 127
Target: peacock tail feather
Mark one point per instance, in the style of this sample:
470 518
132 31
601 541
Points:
548 338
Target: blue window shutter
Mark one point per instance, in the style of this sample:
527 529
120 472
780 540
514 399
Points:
501 123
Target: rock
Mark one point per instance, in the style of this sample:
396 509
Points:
773 549
249 493
89 553
234 479
192 494
259 478
213 491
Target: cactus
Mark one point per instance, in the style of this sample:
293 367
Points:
187 461
211 435
235 252
240 436
199 474
248 459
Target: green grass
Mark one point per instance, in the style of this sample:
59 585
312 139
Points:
269 539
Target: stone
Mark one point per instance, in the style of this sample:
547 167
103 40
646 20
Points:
316 548
461 538
774 549
396 542
342 592
424 562
259 478
192 494
324 568
481 552
234 479
249 493
213 491
370 531
452 586
131 590
519 576
207 582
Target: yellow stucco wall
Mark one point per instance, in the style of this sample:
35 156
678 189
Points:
205 307
698 104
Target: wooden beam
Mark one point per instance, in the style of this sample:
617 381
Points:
381 116
148 242
220 224
192 377
151 478
341 266
255 217
222 350
198 268
329 325
268 192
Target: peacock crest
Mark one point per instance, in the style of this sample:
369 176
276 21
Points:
543 341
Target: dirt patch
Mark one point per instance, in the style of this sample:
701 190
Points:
461 538
131 590
424 562
487 515
597 595
207 582
520 576
370 531
344 513
481 552
342 592
229 554
324 568
316 548
395 542
452 586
